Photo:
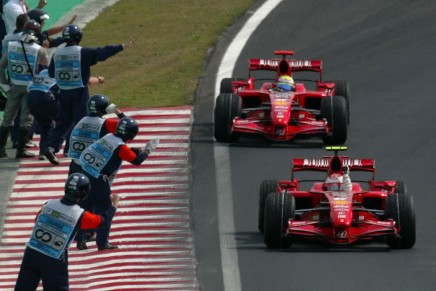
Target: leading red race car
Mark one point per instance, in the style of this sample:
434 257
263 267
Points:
336 210
281 116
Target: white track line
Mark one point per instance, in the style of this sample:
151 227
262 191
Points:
226 224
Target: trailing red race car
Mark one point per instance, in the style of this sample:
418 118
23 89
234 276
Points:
336 210
281 116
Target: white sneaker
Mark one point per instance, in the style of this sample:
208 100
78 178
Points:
151 146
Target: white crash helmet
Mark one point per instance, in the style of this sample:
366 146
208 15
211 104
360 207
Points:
334 182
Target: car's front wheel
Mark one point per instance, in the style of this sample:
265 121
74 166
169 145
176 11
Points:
342 88
279 208
334 110
267 187
400 208
226 85
227 107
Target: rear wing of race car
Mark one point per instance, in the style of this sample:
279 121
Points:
323 164
284 65
334 163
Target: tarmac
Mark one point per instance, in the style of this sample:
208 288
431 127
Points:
60 12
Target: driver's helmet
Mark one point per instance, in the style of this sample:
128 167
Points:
334 182
285 83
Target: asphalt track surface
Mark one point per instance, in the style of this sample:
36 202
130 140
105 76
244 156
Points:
385 49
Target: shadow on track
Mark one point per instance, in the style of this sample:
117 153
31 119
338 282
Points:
253 240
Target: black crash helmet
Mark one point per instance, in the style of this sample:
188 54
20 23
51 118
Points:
77 186
127 128
97 104
72 34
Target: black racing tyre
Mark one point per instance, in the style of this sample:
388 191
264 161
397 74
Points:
227 107
343 89
400 208
267 187
334 109
226 84
279 208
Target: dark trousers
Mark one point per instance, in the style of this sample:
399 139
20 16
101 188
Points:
72 108
2 27
75 168
98 202
37 266
44 109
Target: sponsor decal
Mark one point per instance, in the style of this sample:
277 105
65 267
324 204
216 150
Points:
325 162
272 63
300 64
281 102
296 223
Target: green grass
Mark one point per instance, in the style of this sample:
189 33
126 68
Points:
170 42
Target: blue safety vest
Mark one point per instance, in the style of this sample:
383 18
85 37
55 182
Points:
96 156
68 68
18 67
41 83
54 228
85 133
8 38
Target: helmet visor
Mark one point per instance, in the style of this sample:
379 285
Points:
284 86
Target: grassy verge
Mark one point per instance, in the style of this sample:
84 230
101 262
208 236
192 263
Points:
170 42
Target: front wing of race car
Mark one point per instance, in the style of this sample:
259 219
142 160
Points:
367 230
280 132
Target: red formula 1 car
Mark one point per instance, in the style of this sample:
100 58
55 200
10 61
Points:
281 116
336 210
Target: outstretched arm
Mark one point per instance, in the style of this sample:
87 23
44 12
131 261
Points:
41 4
58 29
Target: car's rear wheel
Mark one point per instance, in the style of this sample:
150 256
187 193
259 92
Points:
227 107
334 110
267 187
279 208
400 208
